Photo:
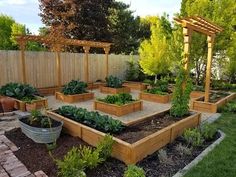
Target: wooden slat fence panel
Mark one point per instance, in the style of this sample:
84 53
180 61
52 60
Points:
41 67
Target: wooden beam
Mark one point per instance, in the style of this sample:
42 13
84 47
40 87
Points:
185 24
107 50
86 65
187 40
210 40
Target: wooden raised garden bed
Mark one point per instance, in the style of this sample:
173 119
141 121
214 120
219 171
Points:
155 97
135 85
36 104
110 90
196 94
130 153
200 105
74 98
118 110
95 85
48 91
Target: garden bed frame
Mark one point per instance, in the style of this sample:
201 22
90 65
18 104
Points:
135 85
40 103
110 90
210 107
196 94
118 110
126 152
155 97
74 98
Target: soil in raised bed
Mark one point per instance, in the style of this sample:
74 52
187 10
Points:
132 134
36 157
215 96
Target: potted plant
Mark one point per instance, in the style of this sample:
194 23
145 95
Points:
74 91
40 128
157 92
118 104
114 86
22 93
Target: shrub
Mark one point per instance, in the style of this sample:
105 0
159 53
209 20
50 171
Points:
134 171
74 87
193 137
91 118
114 82
156 90
78 159
105 147
163 157
18 91
181 95
208 131
132 73
118 99
183 150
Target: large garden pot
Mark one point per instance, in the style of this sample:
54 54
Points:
41 135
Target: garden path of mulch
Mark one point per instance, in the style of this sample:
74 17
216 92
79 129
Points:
36 157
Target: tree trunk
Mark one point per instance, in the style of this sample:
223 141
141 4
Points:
155 81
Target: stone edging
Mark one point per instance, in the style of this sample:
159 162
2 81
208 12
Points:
199 158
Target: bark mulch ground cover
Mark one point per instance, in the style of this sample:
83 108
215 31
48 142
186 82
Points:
36 157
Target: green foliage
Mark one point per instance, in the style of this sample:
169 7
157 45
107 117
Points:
72 164
193 137
134 73
134 171
154 53
229 107
17 29
181 95
74 87
113 82
91 118
104 148
208 131
38 119
78 159
18 91
156 90
118 99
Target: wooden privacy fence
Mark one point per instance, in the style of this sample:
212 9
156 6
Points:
41 67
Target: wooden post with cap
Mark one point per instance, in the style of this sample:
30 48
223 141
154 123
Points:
86 67
22 48
107 50
210 41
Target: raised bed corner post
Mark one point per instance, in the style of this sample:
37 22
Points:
86 64
22 48
107 50
210 41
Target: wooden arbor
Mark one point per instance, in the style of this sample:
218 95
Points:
200 25
56 41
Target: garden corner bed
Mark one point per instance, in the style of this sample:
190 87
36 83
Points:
110 90
118 110
74 98
138 140
155 97
135 85
213 105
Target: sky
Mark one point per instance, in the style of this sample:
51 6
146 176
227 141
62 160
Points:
26 11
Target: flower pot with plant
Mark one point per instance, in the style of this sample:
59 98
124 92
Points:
74 91
114 86
40 128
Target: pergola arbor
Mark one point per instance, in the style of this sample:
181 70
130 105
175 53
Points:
203 26
56 41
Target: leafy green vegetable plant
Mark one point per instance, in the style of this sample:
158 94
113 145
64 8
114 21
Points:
229 107
208 131
181 95
156 90
38 119
91 118
74 87
113 82
18 91
105 147
134 171
118 99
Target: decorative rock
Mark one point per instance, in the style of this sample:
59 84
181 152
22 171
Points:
40 174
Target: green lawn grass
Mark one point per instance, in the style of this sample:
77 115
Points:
221 162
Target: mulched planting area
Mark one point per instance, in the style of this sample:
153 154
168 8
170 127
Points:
36 157
139 131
